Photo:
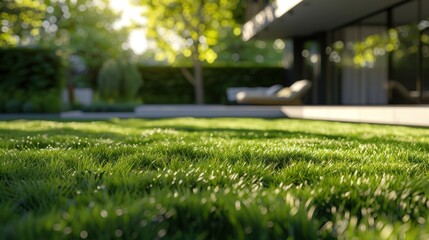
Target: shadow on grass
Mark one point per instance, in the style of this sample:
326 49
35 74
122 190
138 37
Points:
70 139
252 134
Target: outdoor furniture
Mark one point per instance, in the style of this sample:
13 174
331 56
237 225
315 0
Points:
286 96
231 92
396 89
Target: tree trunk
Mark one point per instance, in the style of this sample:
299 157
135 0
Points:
198 81
198 66
70 92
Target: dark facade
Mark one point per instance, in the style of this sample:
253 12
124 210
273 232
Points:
378 56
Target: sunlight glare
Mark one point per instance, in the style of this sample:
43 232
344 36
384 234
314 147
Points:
138 42
131 14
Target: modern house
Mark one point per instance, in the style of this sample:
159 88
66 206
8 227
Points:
355 52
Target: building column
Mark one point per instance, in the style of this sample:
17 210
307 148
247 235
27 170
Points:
298 60
322 83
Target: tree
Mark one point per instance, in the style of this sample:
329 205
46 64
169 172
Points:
233 51
85 28
190 28
77 27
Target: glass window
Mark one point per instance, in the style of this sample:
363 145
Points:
404 39
425 47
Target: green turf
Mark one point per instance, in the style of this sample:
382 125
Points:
213 178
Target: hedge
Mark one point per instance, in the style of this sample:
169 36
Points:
168 85
31 80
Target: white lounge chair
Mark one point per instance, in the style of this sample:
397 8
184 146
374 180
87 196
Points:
231 92
286 96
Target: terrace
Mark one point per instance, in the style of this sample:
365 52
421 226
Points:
393 115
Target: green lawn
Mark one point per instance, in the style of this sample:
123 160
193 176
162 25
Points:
212 179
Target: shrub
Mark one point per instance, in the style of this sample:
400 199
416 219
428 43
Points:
28 74
12 106
49 102
118 81
29 107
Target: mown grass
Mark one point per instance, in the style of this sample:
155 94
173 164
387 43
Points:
213 178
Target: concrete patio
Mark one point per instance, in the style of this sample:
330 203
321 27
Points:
412 115
171 111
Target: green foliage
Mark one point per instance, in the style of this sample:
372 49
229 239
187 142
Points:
31 80
189 28
119 81
86 30
167 84
239 12
213 178
12 106
233 51
400 41
80 27
20 21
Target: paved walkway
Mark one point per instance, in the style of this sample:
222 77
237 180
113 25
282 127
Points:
415 115
171 111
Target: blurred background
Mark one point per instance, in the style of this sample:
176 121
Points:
112 55
120 53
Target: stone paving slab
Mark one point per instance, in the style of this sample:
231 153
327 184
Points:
412 115
162 111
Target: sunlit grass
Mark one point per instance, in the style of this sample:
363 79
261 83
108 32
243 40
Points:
213 178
